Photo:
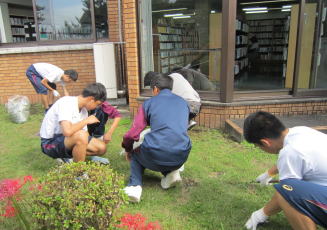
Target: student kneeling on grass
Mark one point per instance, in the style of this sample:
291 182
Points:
167 146
302 168
64 128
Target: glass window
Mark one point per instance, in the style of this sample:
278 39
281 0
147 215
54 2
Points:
185 34
17 22
101 18
318 78
64 20
262 48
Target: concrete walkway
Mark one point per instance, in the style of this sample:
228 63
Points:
234 127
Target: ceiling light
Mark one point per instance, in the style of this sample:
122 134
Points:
286 10
212 11
172 15
156 11
180 17
254 8
287 7
256 12
264 2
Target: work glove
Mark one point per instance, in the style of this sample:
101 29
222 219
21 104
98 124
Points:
55 93
264 178
256 218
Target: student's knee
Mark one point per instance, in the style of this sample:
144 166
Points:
81 137
102 148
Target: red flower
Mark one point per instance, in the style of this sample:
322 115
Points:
28 178
9 188
9 211
137 222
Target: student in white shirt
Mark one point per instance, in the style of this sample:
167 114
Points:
302 161
44 77
182 88
64 128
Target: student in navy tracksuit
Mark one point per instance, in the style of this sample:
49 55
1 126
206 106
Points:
167 146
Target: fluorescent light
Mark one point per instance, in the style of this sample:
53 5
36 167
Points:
255 8
156 11
212 11
172 15
264 2
179 17
286 10
287 7
256 12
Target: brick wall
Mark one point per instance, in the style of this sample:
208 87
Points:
131 52
13 68
215 116
113 20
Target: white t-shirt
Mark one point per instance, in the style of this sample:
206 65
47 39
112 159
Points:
304 156
182 88
51 72
65 109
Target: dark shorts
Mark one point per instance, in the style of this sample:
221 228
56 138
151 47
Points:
306 197
35 79
55 147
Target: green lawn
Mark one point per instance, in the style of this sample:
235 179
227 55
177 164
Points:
217 192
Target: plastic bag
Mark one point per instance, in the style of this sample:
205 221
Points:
18 107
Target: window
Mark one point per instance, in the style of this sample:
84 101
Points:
185 34
58 20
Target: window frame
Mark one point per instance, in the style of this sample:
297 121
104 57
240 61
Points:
226 93
93 38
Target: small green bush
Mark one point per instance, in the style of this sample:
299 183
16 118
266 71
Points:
78 196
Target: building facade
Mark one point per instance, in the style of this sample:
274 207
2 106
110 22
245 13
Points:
273 60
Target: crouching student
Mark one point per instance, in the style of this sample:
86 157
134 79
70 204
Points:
64 128
167 146
302 159
97 130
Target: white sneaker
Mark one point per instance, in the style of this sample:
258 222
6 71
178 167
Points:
181 169
171 179
100 160
191 124
134 193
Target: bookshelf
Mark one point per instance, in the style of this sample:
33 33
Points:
173 44
241 47
272 36
22 28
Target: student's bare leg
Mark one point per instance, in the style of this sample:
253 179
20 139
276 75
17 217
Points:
96 147
78 142
296 219
45 101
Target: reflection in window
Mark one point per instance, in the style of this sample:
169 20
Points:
64 20
101 18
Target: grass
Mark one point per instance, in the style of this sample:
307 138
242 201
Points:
217 192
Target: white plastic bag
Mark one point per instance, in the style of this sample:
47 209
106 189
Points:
18 107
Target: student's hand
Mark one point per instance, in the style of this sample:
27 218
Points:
92 119
264 178
56 93
128 156
107 137
256 218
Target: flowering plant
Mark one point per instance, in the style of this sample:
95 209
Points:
11 199
137 222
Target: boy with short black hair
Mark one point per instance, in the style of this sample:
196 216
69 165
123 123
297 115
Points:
302 160
64 128
167 146
44 77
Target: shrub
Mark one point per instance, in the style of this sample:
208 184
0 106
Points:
78 196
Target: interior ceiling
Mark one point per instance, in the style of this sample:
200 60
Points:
264 3
189 4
